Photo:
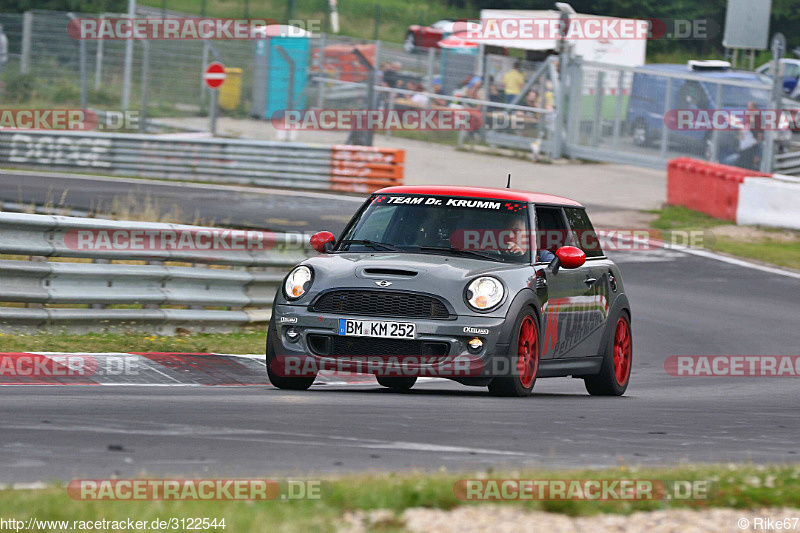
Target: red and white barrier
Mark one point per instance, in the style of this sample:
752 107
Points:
731 193
771 201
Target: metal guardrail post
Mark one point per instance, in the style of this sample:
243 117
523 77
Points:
357 137
83 73
290 62
618 108
714 155
664 130
598 107
145 85
320 70
98 60
27 30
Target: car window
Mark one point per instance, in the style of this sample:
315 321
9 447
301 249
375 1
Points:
583 233
691 95
792 70
551 229
495 228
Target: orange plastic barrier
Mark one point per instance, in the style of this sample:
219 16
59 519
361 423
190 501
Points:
366 168
710 188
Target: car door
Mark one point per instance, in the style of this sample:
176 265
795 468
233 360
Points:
596 272
566 294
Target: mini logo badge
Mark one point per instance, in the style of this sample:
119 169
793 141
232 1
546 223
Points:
291 319
476 331
383 283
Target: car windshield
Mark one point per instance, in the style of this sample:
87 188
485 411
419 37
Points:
489 229
734 97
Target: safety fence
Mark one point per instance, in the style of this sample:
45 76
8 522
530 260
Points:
80 274
262 163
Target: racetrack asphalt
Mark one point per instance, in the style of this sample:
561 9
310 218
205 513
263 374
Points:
682 305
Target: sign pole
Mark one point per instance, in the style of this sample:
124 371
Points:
212 113
214 77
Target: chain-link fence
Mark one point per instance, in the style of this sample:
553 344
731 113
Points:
633 113
600 112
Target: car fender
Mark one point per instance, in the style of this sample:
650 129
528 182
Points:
620 304
525 297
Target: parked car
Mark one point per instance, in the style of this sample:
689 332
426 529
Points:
488 287
427 36
645 117
791 75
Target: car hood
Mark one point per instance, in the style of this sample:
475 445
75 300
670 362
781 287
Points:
423 268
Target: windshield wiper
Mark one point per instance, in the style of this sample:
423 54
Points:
373 244
456 251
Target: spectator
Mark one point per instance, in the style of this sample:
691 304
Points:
391 74
495 93
749 145
513 80
419 98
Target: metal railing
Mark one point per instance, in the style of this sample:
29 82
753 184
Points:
219 289
262 163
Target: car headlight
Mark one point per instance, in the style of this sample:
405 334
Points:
297 282
484 293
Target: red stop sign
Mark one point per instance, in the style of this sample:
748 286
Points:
214 75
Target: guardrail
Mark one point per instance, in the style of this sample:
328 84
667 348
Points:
229 278
261 163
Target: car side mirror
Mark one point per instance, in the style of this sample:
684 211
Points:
323 241
567 257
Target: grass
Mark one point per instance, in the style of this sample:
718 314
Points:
248 341
768 245
731 486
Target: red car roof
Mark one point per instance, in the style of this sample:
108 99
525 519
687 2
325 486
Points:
481 192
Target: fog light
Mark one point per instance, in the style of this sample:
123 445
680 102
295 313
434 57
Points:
475 345
293 334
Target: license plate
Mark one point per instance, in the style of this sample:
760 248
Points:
370 328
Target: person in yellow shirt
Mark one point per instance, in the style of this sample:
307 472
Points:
513 80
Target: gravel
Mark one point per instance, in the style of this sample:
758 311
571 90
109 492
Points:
505 518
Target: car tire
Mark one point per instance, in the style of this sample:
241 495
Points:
397 383
615 372
640 134
524 363
410 44
283 382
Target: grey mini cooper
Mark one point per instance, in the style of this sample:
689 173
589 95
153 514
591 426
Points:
487 287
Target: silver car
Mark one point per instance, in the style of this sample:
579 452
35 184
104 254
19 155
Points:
487 287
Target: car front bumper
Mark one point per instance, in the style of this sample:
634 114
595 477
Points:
457 361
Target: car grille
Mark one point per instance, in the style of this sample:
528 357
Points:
381 303
341 346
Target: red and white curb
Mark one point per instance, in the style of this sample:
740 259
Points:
148 369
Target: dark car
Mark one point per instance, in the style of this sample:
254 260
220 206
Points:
488 287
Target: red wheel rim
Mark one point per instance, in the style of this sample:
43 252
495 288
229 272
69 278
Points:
622 352
527 352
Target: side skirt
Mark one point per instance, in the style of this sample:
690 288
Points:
585 366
